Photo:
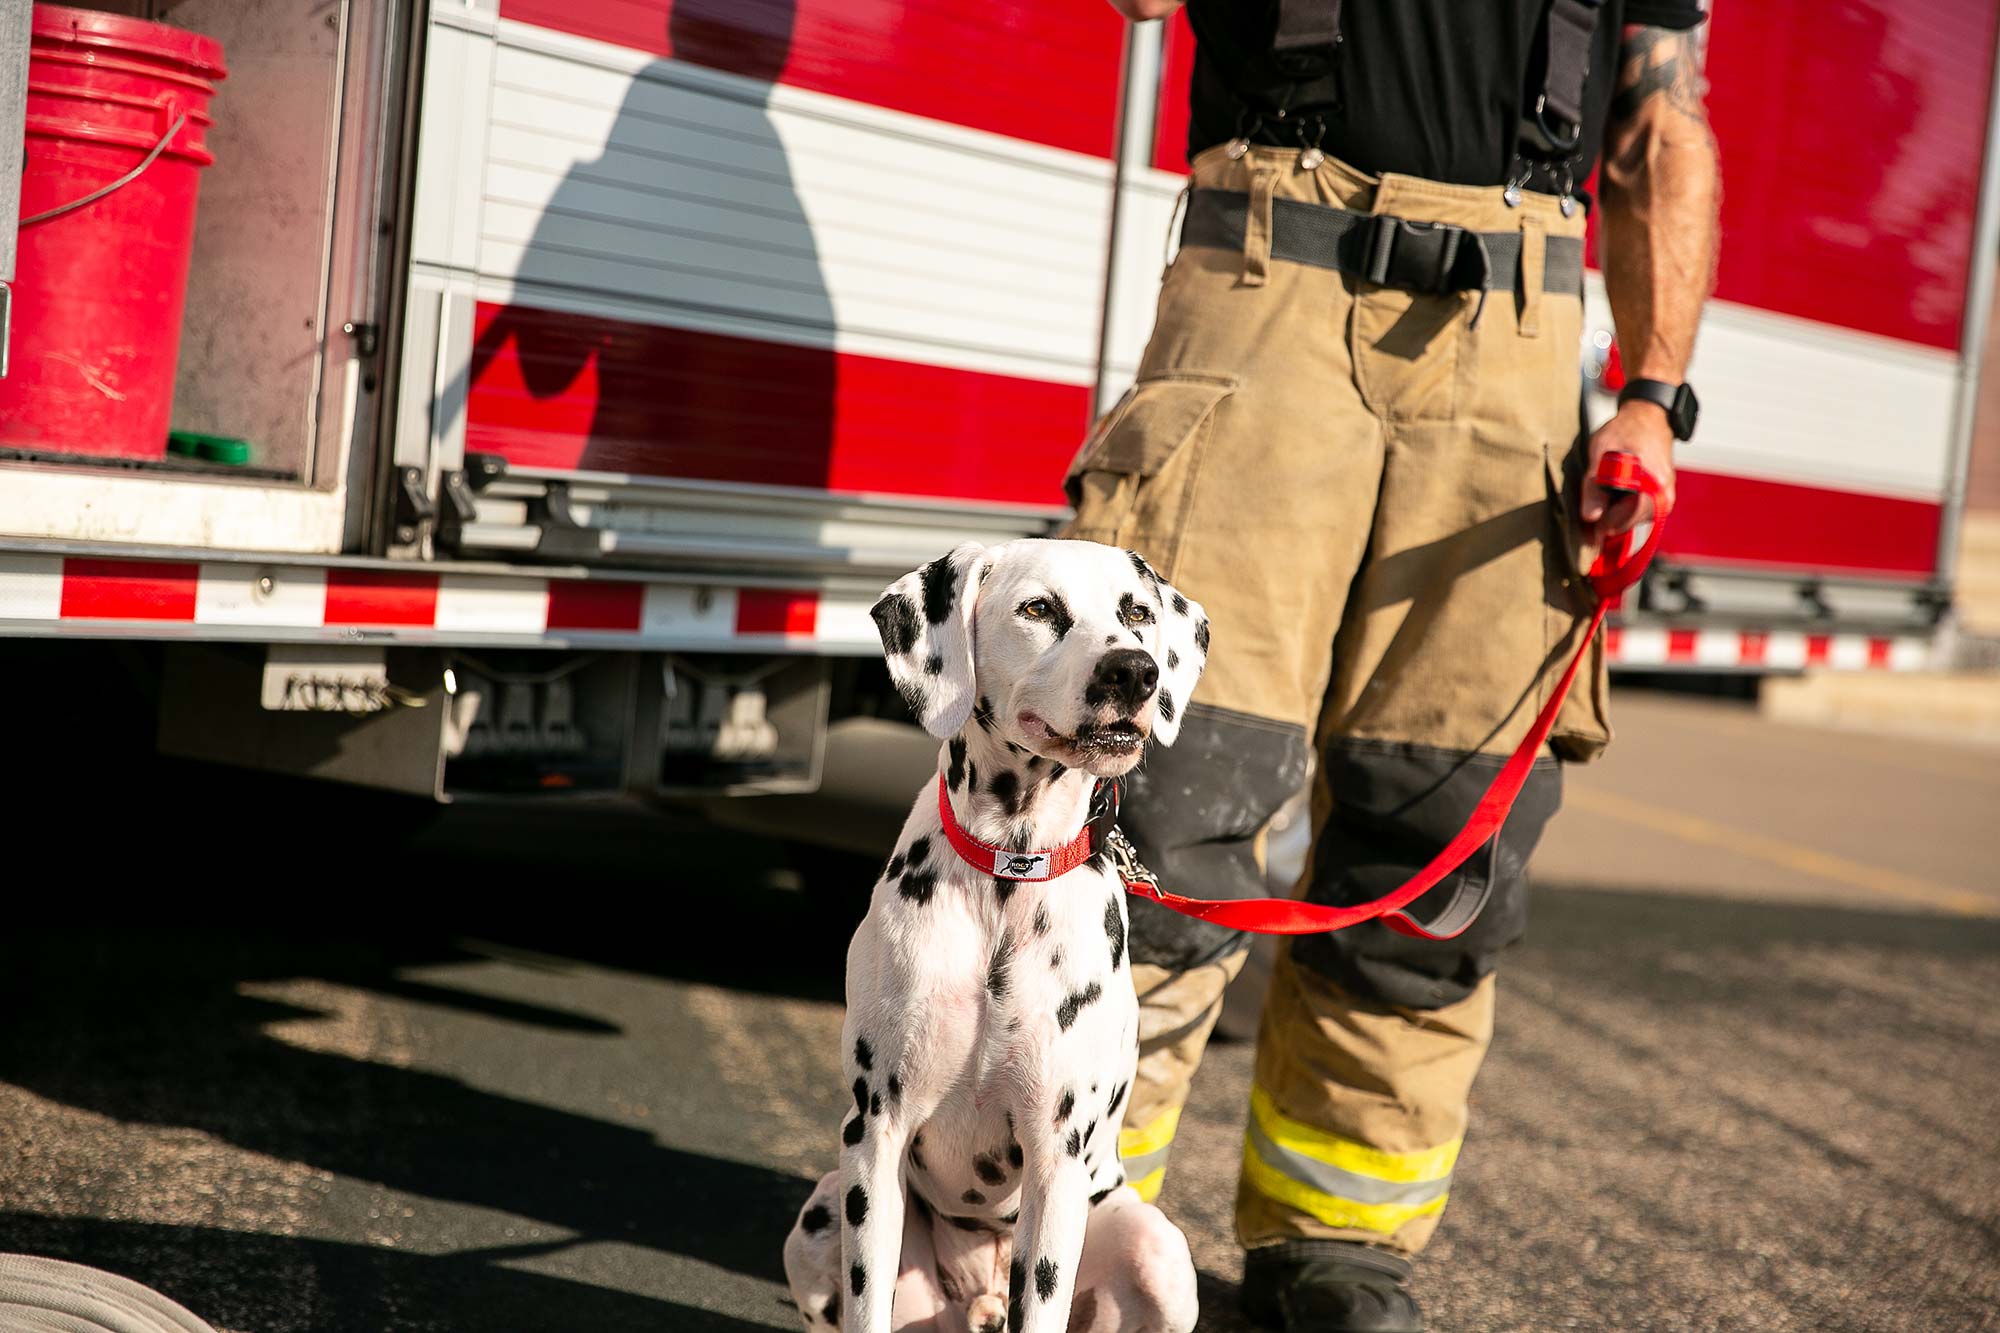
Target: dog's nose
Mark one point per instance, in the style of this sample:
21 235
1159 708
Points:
1127 677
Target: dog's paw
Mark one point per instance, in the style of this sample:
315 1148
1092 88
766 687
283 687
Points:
987 1314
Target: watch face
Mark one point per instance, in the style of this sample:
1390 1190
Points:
1685 410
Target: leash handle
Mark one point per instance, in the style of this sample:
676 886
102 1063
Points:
1616 568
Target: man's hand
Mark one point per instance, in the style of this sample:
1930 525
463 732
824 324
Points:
1141 10
1639 428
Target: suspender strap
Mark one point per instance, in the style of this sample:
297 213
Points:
1306 25
1553 126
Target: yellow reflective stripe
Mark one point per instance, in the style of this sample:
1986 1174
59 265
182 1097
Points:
1146 1139
1422 1166
1381 1218
1148 1185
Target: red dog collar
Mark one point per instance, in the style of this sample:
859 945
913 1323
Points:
1004 863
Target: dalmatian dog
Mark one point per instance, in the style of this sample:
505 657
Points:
991 1031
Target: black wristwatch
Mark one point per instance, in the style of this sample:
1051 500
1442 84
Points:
1678 399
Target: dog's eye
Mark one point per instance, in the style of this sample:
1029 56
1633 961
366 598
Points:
1037 609
1137 614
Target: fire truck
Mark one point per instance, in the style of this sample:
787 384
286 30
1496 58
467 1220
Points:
557 382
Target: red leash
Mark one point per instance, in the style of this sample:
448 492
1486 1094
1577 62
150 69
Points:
1617 568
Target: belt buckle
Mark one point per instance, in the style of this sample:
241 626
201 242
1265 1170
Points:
1417 256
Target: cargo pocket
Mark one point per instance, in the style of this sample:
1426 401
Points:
1133 481
1583 726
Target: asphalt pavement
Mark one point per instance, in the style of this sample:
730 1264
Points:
576 1070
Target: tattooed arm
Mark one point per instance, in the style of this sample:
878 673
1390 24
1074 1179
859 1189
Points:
1660 188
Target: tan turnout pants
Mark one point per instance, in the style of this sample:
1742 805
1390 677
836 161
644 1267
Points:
1373 499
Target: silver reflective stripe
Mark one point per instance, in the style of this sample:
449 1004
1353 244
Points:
1338 1183
1138 1168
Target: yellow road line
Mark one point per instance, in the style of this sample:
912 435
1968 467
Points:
1778 851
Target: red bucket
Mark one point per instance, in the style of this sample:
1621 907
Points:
117 110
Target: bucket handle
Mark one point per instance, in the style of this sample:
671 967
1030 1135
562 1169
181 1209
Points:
122 181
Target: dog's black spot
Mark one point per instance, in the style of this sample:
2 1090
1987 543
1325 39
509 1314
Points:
919 851
1045 1278
1110 639
966 1223
850 1133
860 1094
863 1055
1173 659
857 1279
1004 888
1166 705
1042 919
918 886
1114 930
1074 1144
1201 635
1014 1156
1180 605
895 867
987 1167
815 1219
955 774
1089 1130
917 1152
857 1206
895 1088
1145 570
1017 1290
1014 749
996 969
1073 1005
1006 789
1055 959
875 1103
982 713
1060 620
972 1197
1101 1196
896 619
940 589
934 665
1065 1106
831 1310
1117 1099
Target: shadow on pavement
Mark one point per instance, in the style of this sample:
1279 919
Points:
151 1028
282 1284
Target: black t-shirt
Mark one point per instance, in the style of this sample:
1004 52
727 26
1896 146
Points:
1429 88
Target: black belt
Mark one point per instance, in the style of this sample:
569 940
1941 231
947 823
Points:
1428 257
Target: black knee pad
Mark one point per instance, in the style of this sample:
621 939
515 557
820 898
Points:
1193 812
1396 805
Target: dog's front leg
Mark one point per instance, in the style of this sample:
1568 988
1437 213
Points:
1048 1242
871 1233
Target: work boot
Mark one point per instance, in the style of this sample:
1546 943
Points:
1329 1286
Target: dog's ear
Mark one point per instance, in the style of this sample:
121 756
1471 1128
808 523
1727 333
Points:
1183 653
925 618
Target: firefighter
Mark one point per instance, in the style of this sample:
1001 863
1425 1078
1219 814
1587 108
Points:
1354 438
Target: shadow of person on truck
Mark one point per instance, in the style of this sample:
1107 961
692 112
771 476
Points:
669 314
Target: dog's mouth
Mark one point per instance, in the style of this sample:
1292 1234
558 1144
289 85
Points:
1118 737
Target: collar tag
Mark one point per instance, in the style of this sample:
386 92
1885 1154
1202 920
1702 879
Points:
1021 865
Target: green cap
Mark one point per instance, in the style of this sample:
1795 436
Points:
209 448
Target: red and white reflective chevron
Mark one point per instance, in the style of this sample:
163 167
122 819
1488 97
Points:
224 600
1644 646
